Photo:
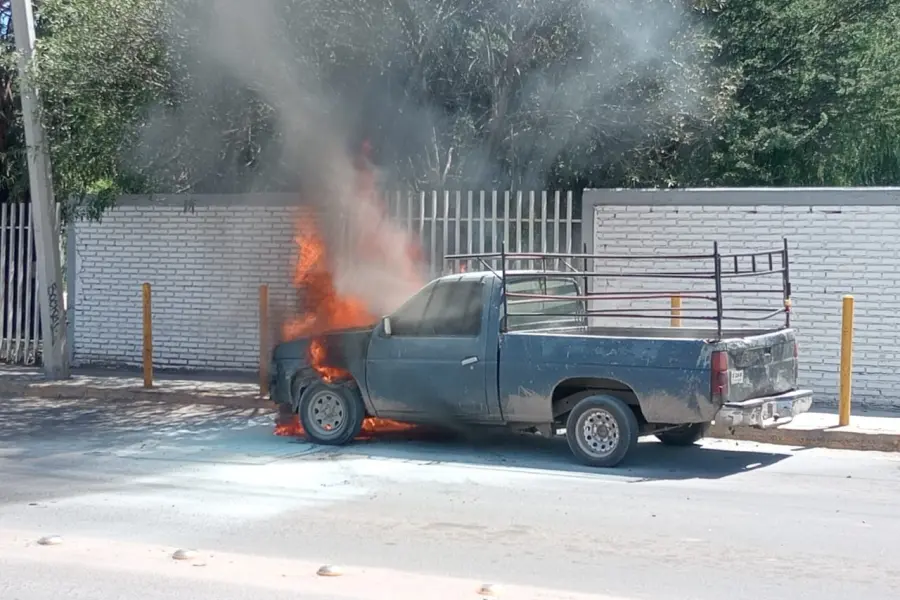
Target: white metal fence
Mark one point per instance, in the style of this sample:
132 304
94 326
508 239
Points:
462 222
19 315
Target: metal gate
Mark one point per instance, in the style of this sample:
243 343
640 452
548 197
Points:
19 315
466 222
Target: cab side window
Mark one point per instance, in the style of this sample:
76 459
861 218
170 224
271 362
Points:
447 308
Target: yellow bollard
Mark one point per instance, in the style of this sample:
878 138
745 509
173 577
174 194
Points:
263 340
148 338
676 311
846 361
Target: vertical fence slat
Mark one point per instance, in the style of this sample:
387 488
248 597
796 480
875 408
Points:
434 203
10 280
519 226
422 216
20 280
544 223
445 231
494 201
506 220
457 237
409 211
557 241
531 227
568 222
481 236
470 221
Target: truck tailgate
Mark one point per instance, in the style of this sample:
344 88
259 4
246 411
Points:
761 365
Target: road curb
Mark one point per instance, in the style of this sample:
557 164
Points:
69 391
837 438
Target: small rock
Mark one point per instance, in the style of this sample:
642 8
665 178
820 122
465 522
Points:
329 571
50 540
183 554
488 589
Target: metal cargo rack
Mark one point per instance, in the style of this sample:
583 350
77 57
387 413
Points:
703 278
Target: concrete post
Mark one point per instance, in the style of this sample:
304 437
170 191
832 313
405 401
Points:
46 232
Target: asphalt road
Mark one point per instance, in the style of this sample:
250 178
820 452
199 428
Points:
127 485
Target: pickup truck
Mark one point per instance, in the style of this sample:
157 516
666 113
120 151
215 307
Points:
461 351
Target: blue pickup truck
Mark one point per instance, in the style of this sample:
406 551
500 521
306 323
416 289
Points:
518 349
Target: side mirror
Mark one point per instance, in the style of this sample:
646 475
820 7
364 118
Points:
386 325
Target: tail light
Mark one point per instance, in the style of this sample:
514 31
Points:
719 378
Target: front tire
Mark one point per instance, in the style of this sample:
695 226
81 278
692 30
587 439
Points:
685 435
331 414
601 431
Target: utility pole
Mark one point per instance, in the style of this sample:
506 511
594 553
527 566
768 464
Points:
43 205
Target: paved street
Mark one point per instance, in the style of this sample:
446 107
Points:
127 484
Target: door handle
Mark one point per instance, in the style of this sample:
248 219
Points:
469 361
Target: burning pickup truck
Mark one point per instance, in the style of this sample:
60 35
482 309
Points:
520 343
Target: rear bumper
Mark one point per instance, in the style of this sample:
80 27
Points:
765 412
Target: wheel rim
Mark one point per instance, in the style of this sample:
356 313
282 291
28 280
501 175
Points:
326 414
597 433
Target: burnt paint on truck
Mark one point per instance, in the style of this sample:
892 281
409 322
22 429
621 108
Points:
511 377
291 371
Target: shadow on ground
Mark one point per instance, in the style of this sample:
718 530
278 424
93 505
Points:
650 461
65 431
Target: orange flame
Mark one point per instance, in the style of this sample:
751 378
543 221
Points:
326 309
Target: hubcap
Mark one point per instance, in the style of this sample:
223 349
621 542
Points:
597 433
326 414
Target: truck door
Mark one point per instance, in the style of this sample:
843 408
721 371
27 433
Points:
432 365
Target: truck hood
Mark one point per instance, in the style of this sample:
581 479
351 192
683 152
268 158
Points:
339 338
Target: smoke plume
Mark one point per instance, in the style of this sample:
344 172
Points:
316 77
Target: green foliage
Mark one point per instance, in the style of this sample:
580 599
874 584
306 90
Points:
151 95
817 95
100 64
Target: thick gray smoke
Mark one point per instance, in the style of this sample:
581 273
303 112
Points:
264 58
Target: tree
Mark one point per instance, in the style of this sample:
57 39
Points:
816 96
13 173
159 95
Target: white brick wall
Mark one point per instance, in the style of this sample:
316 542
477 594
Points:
205 268
833 251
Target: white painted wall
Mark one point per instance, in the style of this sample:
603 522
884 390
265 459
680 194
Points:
835 250
205 268
206 265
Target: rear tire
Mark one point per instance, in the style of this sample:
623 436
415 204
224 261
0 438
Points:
331 414
601 430
685 435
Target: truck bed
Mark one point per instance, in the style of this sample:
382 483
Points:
668 370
